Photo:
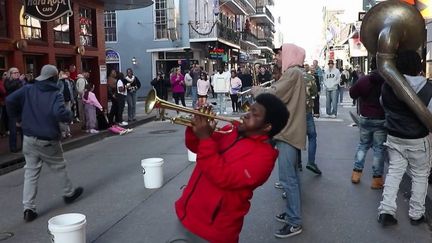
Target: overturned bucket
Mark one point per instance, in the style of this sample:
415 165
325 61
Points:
152 172
68 228
191 156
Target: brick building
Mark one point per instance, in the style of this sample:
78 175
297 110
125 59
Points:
28 43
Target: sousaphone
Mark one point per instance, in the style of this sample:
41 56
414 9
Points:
388 27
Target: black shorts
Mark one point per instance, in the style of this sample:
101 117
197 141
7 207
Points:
202 96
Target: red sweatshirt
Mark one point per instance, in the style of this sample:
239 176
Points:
216 199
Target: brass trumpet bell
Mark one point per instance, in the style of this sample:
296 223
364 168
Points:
152 101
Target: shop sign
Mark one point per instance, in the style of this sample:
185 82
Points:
217 53
47 10
112 56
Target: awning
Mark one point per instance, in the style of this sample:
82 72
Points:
168 49
126 4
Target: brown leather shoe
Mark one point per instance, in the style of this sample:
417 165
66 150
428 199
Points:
377 183
355 177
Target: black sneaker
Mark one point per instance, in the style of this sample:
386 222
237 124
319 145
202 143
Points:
281 217
416 222
314 168
386 219
70 199
29 215
284 195
288 231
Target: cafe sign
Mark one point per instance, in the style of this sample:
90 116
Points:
47 10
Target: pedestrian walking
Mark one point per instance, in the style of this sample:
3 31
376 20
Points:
39 107
235 87
203 86
3 105
132 85
230 166
291 89
221 88
311 95
121 98
373 133
196 74
408 143
113 117
188 83
66 88
331 82
91 103
13 84
178 87
80 84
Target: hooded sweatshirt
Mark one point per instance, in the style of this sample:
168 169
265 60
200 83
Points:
331 79
41 107
291 89
401 121
368 90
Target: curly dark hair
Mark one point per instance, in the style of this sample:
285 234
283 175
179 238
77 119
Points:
276 112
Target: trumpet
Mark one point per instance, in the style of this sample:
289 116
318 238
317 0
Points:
153 101
261 85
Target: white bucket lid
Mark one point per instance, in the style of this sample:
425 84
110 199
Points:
152 162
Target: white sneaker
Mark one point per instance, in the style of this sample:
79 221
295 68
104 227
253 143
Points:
94 131
123 123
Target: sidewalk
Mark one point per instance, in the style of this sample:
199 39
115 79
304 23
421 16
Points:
12 161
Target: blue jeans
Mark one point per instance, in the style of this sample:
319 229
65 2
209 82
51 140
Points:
331 102
340 93
312 135
289 178
194 90
131 101
372 134
221 103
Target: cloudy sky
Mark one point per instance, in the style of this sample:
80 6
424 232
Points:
302 20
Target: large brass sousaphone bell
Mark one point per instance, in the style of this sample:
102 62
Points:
388 27
152 101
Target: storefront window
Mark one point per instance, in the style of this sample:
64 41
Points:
31 28
3 19
86 26
61 30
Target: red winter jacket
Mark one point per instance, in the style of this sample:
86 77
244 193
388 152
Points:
227 171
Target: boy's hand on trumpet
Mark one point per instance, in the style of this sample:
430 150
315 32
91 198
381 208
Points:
202 126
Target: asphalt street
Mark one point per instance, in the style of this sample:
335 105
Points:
120 209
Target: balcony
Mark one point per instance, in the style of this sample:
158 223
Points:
266 42
207 33
263 16
237 7
250 38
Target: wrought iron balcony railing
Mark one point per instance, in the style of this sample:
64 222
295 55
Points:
266 11
213 30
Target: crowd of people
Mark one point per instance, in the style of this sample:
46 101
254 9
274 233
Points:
230 165
386 124
79 97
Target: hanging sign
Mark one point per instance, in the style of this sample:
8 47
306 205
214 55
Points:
47 10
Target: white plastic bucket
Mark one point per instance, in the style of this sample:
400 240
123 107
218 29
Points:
68 228
152 172
191 156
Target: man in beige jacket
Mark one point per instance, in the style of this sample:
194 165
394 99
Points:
290 88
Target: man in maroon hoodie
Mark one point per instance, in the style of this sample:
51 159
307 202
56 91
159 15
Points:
371 123
229 167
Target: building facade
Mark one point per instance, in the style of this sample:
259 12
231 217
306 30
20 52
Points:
175 33
28 43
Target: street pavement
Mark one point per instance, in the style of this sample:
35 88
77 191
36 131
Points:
120 209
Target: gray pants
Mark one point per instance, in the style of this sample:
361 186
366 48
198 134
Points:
412 156
35 152
182 235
